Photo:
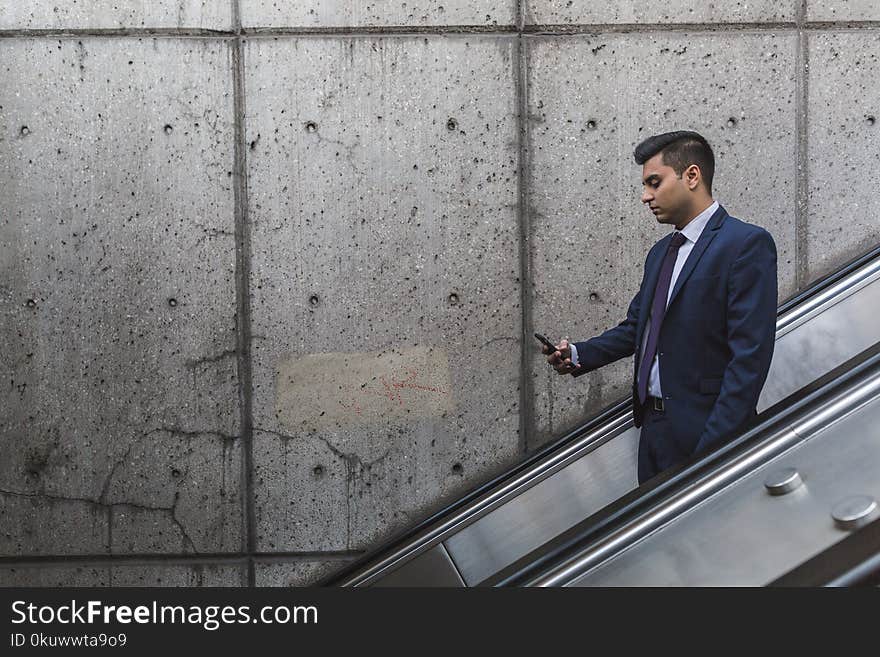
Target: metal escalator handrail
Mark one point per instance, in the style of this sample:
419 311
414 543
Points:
756 448
574 444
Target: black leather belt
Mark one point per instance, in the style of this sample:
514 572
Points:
655 402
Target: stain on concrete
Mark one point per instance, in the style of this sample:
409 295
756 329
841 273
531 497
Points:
319 391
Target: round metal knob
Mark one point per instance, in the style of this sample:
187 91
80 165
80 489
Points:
782 481
854 512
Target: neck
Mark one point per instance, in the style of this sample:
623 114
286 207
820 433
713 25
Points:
696 210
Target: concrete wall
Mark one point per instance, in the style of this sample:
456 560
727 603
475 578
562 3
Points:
269 271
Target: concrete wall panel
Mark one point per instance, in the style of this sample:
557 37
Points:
591 100
112 14
566 12
122 575
843 10
318 13
117 288
382 178
844 148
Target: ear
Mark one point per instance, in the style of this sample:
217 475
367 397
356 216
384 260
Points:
692 176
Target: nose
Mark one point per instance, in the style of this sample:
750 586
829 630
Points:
647 196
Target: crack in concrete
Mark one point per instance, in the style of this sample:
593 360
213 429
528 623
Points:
195 362
109 507
55 498
210 233
502 339
174 431
172 510
179 524
353 465
348 148
169 430
345 456
105 489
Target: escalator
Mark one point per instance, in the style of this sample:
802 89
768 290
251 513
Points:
532 523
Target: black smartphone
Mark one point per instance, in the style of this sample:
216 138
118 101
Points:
546 342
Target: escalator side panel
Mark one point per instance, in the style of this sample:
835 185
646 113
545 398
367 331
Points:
807 352
431 568
547 509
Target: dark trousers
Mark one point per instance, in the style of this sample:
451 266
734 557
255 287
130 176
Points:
658 447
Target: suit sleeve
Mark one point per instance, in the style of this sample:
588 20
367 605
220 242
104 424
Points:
614 344
751 334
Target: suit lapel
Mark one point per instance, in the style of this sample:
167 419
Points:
696 253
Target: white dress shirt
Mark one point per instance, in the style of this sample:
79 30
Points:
692 233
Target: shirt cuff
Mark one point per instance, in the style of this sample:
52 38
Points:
574 354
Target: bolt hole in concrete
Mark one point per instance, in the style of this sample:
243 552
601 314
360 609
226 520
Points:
30 303
591 125
172 302
594 296
311 126
25 131
168 129
871 120
456 468
451 124
319 470
453 299
731 122
314 300
175 473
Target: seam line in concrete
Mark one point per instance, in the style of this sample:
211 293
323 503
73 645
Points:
58 561
593 29
187 559
802 154
242 285
118 32
526 401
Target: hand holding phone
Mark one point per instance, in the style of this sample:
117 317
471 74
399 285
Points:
562 367
547 342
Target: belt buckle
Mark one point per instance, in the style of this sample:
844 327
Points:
658 404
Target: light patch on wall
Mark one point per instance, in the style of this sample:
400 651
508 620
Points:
318 391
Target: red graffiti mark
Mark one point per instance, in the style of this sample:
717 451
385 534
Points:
356 407
392 389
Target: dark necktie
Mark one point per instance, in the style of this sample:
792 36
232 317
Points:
658 309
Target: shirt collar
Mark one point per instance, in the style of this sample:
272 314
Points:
695 227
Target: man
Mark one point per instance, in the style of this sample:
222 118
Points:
702 325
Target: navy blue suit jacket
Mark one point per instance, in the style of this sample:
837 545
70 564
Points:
717 337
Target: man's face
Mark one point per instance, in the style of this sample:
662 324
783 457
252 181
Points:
664 192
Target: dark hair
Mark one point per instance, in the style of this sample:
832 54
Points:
680 149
